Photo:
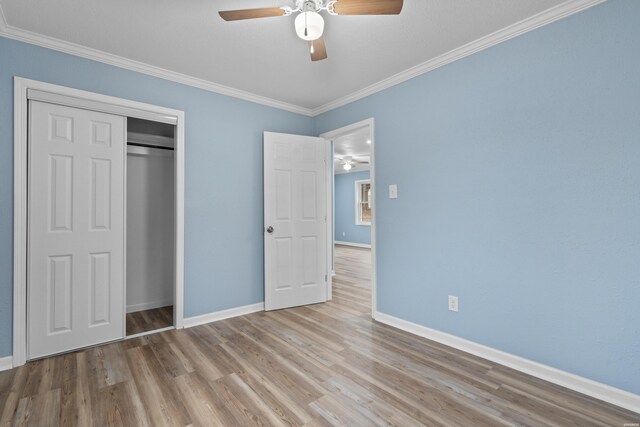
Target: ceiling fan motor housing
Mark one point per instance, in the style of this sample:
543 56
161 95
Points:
309 5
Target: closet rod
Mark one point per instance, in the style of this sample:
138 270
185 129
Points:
137 144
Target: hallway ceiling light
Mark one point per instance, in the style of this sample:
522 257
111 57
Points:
349 163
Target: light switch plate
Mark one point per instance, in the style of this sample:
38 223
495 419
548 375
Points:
393 191
453 303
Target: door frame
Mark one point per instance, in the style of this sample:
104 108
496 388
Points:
330 136
92 101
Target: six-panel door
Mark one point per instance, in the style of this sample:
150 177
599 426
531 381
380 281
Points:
295 208
76 228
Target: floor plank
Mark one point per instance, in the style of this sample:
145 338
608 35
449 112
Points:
149 320
320 365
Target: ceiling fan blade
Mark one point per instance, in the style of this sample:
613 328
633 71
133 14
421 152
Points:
265 12
318 49
368 7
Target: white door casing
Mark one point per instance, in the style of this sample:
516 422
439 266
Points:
76 228
294 207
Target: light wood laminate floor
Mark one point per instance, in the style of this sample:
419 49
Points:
326 364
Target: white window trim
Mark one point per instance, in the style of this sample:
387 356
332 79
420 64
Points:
359 183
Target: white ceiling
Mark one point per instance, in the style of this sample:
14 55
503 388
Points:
264 56
355 145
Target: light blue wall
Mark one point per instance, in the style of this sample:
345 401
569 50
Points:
518 172
223 204
345 209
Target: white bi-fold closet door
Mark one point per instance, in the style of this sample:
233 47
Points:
76 235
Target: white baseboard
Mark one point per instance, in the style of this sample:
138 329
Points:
6 363
357 245
148 305
574 382
222 314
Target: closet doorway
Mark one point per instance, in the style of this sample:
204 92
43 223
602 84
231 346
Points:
86 252
150 236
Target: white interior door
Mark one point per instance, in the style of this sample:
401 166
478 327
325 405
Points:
295 237
75 270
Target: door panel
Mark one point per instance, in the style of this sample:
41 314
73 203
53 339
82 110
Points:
99 289
294 206
60 188
101 194
59 289
75 274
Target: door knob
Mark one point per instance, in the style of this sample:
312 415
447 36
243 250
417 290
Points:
269 229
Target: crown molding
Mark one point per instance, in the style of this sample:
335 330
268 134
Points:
548 16
18 34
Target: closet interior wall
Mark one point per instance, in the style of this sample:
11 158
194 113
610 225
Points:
150 215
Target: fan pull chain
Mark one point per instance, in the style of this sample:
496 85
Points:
305 24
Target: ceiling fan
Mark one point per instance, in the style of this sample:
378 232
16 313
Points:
348 162
309 24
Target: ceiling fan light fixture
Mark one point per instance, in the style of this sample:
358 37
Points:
309 25
347 166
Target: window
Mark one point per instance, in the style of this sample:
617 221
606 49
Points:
363 202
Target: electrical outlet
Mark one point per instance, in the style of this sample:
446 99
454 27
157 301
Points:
344 234
453 303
